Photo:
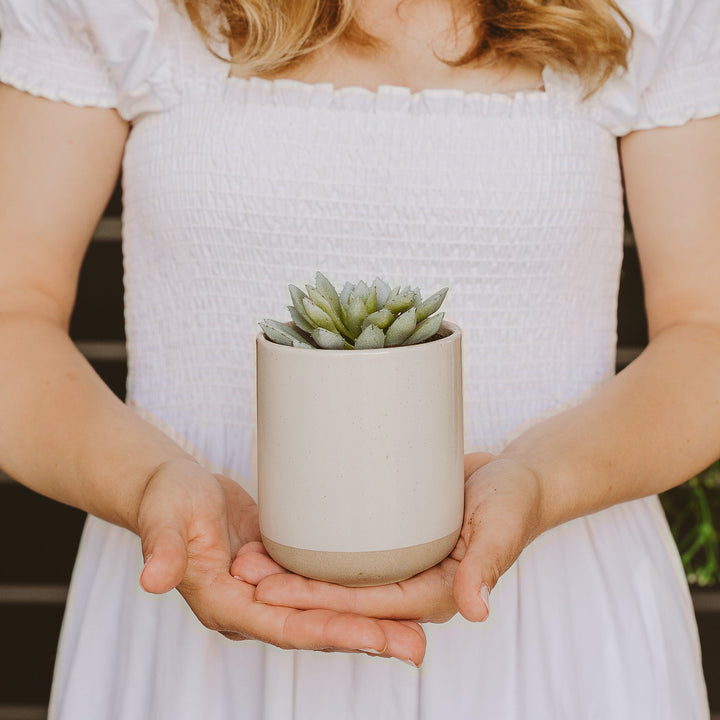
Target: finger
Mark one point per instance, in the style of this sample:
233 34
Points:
472 585
405 641
253 566
493 544
303 593
401 641
427 596
417 628
165 550
459 550
502 510
252 547
233 611
474 461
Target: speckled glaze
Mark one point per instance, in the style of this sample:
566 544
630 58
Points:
360 458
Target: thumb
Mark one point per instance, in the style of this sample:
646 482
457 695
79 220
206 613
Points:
165 551
492 543
474 579
502 510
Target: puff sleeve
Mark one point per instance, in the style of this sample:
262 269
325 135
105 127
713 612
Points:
87 53
673 70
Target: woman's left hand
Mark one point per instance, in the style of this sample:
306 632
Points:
503 502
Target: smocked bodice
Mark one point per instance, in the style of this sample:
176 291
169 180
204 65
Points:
514 202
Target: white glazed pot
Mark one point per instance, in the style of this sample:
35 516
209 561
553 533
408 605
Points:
360 458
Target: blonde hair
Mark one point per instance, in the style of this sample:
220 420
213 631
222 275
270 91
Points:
590 38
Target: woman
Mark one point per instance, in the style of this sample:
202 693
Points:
337 137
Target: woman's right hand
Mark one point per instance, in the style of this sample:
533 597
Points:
193 522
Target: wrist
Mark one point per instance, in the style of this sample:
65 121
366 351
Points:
167 464
549 509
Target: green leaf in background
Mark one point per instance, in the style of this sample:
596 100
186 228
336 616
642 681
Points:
693 513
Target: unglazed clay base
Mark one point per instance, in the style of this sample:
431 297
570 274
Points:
358 569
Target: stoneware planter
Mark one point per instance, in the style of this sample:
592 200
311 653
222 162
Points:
360 458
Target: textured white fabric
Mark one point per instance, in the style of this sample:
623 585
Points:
674 69
107 54
125 54
235 188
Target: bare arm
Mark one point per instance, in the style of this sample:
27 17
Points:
658 422
63 433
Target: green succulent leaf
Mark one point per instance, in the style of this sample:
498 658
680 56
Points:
393 294
281 333
429 306
344 299
274 335
298 296
401 302
382 290
300 320
381 318
361 291
345 293
371 302
328 340
359 316
401 329
327 289
370 338
324 304
425 330
318 316
357 312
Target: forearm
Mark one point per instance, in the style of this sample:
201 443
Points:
653 426
63 432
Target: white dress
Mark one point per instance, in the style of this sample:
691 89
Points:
235 188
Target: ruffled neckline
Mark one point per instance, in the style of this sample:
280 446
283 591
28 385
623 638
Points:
387 98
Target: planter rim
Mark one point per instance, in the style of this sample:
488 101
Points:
454 329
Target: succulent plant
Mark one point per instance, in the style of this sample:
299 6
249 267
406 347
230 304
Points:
360 317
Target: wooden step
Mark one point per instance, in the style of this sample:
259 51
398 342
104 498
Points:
98 313
43 534
29 635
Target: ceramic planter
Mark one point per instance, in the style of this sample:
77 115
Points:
360 458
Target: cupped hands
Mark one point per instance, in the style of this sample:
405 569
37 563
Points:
503 501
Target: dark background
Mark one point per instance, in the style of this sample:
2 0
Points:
40 537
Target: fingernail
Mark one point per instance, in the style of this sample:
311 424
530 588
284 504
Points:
408 661
148 559
370 651
485 596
